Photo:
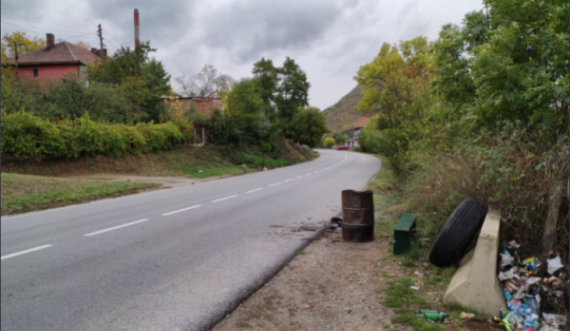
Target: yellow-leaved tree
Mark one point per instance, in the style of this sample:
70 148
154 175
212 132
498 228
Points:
24 43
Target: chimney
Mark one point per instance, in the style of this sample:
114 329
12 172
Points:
50 40
137 33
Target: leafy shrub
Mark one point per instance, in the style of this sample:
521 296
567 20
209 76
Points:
25 135
185 126
506 173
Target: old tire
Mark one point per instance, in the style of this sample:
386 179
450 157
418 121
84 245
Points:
452 242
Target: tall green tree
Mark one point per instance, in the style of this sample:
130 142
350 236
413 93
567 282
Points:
308 126
267 77
245 112
293 92
142 78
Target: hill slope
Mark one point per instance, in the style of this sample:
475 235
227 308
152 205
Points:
342 116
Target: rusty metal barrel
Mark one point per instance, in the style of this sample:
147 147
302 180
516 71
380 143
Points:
357 216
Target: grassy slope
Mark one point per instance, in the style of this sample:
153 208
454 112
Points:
188 161
21 193
342 116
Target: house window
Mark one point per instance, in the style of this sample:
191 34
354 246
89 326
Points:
35 72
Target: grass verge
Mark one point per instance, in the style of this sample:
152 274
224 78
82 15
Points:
411 268
22 193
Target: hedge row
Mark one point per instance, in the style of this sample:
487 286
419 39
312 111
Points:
25 135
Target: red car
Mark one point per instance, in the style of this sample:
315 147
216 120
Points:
342 148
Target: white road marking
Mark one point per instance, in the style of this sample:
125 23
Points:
310 173
274 184
288 180
181 210
257 189
25 252
115 228
226 198
299 176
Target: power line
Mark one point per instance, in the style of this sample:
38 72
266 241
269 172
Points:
42 25
81 35
112 36
42 20
20 28
36 32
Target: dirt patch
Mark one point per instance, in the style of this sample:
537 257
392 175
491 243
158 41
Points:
335 285
331 285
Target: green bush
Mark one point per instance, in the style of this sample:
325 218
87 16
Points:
25 135
185 126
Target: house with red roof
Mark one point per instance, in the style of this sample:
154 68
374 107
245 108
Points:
55 60
353 142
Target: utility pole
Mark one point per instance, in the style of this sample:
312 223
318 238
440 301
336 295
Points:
16 57
101 45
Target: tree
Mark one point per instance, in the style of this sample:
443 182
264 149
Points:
308 126
328 142
245 112
373 75
83 45
70 98
267 77
207 83
143 81
23 42
340 139
293 92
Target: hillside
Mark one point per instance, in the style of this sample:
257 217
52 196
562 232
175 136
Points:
342 116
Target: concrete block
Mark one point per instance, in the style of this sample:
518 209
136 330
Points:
475 284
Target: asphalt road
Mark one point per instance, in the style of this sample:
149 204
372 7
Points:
174 259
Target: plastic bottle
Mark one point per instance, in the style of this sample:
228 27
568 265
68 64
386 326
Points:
531 302
506 324
528 323
514 304
523 310
507 295
535 322
515 320
433 315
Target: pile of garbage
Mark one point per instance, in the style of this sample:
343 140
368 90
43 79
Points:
536 291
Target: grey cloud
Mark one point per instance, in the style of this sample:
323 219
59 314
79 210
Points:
251 28
160 21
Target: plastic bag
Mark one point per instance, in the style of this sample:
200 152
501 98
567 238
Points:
554 264
506 259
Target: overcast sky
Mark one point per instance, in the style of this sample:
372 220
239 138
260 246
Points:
329 39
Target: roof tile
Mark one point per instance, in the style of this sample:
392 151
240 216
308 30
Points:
60 53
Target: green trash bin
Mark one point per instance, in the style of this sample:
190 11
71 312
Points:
404 232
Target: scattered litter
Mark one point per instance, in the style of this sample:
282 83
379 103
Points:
466 316
531 288
200 171
415 288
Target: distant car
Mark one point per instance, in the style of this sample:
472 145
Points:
342 148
